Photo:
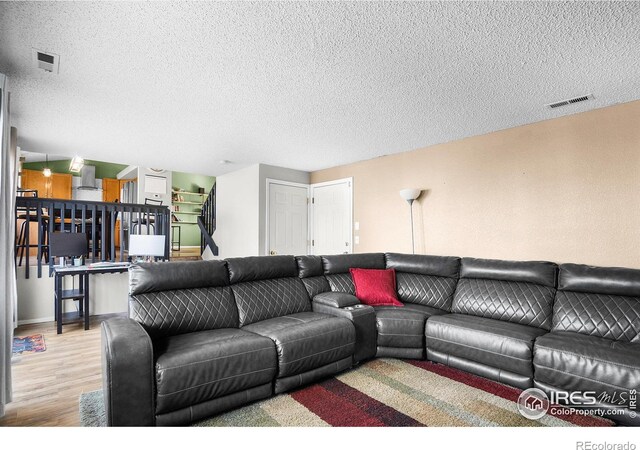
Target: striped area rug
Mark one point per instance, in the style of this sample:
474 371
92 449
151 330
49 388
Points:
391 392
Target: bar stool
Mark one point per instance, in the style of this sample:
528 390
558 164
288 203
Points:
43 231
43 234
146 218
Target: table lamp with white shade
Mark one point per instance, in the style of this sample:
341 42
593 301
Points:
145 246
410 195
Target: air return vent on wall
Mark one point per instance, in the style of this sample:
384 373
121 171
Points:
571 101
45 60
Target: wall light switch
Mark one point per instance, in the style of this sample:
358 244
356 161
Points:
356 240
356 226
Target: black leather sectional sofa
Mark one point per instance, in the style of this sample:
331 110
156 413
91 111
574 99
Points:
207 336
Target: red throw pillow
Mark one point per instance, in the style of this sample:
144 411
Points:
375 287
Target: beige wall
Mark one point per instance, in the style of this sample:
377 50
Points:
564 190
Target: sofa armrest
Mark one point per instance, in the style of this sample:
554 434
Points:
336 299
363 318
128 377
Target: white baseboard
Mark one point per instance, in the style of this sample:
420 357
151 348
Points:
187 246
32 321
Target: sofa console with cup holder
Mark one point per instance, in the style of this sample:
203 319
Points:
203 337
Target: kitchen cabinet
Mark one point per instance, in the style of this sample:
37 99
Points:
111 188
58 185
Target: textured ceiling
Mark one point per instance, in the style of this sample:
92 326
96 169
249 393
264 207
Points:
303 85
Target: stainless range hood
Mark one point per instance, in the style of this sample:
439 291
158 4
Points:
88 175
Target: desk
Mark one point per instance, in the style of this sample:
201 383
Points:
82 292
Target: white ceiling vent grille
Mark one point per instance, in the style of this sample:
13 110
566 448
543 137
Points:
46 61
570 101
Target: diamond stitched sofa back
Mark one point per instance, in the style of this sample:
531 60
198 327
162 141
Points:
513 291
336 269
598 301
425 280
267 286
311 273
182 297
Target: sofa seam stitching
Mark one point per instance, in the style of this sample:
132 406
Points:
480 349
587 357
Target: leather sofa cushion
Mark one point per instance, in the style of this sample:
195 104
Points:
403 327
264 299
572 362
306 341
428 290
438 266
503 345
535 272
153 277
197 367
254 268
336 299
599 280
316 285
603 315
309 266
167 313
341 282
509 301
342 263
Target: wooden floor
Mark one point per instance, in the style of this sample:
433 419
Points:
47 385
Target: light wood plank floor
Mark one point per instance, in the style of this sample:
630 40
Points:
47 385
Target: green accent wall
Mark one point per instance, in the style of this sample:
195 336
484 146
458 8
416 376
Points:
103 169
190 234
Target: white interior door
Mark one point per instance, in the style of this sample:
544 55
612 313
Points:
288 218
331 217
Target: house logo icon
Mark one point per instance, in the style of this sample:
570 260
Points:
533 403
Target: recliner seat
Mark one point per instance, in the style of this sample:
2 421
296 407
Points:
425 285
273 302
499 309
594 344
202 362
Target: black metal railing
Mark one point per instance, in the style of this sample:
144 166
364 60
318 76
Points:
207 222
96 219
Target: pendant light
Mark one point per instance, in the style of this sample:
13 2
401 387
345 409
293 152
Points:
46 171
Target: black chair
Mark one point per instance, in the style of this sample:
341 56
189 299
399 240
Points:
147 218
68 245
43 232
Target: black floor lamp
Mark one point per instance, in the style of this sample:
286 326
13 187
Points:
410 195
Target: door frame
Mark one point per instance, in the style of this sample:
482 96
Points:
271 181
349 181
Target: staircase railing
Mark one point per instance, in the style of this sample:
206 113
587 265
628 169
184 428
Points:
95 219
207 223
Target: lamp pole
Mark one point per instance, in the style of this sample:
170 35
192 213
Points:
413 246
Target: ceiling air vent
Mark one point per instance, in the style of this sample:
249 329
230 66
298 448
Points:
583 98
48 62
